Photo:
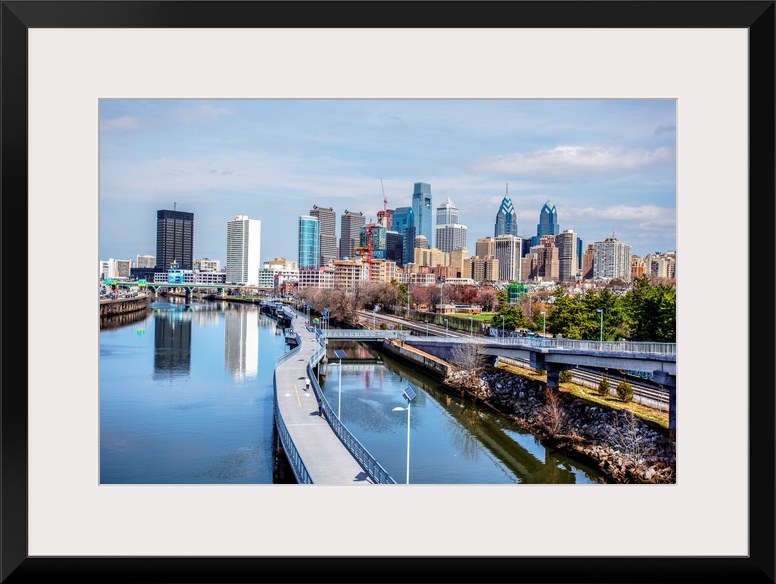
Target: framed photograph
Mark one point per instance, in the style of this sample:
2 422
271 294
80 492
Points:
715 59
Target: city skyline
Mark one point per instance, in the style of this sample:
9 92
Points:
608 166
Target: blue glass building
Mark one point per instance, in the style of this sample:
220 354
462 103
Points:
548 223
421 206
404 225
309 242
506 218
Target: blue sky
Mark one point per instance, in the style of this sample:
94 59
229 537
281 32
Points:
608 166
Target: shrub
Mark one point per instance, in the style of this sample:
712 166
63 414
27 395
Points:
603 386
624 391
565 376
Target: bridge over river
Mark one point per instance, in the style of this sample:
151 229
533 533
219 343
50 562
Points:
320 448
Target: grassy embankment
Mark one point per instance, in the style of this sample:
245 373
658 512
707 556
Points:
591 395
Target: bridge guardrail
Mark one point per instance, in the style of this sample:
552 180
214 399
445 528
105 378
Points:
668 349
355 334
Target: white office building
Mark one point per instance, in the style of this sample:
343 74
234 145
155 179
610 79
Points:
243 249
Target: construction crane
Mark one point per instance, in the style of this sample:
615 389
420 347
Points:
382 216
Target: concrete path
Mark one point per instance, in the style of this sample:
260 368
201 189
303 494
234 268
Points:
327 460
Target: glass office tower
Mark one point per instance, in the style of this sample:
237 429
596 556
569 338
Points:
309 242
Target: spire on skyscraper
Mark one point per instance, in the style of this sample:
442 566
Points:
506 218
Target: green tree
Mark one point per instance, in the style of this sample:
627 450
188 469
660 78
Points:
651 312
613 316
503 300
513 317
603 386
568 316
624 391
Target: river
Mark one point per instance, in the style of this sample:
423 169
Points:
186 398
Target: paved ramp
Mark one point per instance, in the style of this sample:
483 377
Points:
326 458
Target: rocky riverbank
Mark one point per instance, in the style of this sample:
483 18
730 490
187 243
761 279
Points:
623 446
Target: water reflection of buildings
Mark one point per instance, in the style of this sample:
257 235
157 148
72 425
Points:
172 344
241 343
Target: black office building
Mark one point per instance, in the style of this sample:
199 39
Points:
174 240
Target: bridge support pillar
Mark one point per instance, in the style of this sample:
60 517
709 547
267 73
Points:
553 376
189 295
669 382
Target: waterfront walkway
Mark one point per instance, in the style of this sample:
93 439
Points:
323 454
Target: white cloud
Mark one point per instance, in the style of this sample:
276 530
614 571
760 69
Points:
567 160
119 125
200 113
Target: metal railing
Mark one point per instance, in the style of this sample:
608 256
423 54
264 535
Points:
297 464
292 454
643 348
356 334
373 468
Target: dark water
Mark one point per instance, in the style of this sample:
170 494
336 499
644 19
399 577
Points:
186 398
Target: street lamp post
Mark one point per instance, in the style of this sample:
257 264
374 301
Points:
409 394
544 323
339 353
446 328
601 329
471 321
503 332
426 327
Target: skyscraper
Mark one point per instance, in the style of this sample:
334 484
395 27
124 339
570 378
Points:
309 242
379 242
450 235
174 239
350 228
485 247
548 223
327 219
568 263
394 243
447 213
421 206
404 224
243 250
385 218
506 218
507 252
612 259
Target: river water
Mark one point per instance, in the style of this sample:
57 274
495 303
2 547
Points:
186 398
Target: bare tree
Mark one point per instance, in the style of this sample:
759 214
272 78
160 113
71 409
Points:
553 416
628 435
468 360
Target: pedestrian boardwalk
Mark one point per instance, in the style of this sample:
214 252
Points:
327 460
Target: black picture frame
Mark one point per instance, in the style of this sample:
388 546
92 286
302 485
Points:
19 16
